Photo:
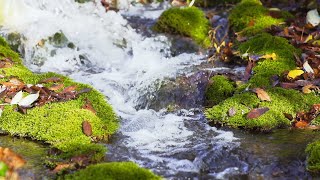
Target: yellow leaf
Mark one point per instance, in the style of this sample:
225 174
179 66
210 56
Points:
272 56
310 37
294 73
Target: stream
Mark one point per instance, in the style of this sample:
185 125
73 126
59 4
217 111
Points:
130 64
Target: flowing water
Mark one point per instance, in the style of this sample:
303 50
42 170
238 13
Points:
128 67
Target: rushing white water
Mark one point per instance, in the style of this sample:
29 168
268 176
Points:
125 66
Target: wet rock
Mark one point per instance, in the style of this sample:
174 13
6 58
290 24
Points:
186 91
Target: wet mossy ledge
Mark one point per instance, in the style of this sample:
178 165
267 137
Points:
250 17
244 100
60 123
188 21
114 171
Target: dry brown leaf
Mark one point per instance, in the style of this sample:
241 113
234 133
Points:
61 167
308 88
56 87
257 112
69 89
13 160
86 128
262 94
88 106
51 79
301 124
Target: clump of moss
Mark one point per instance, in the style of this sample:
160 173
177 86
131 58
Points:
59 124
189 22
250 17
313 161
220 89
263 44
283 101
115 170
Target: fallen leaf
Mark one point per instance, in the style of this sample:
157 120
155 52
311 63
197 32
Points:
288 116
56 87
308 88
307 67
69 89
13 160
301 124
85 90
28 100
61 167
248 70
257 112
88 106
232 111
262 94
86 128
313 17
17 98
51 79
294 73
272 56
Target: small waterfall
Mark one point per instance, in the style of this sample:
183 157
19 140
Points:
125 66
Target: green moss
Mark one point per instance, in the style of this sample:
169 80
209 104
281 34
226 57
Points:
313 161
59 124
189 22
116 170
283 101
220 89
250 17
263 44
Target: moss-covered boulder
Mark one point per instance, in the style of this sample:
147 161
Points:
266 44
313 161
282 59
57 123
282 101
219 89
189 22
250 17
114 171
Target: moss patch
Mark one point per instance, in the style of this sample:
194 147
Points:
267 44
189 22
116 170
250 17
59 124
283 101
220 89
313 161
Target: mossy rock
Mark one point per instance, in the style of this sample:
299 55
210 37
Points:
59 124
220 89
263 44
113 171
313 160
251 18
190 22
282 101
